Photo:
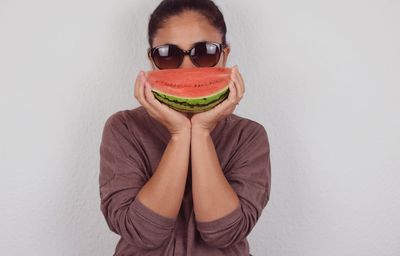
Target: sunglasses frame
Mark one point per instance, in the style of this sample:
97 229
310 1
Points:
221 48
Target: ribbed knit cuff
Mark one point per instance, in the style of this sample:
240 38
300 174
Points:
152 216
220 223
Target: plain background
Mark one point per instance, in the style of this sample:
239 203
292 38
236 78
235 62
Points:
321 76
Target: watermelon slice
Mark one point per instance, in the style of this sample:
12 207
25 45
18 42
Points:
190 89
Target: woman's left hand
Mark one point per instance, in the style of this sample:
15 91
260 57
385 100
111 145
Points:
206 121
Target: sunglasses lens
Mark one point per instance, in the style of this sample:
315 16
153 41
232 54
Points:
167 56
205 54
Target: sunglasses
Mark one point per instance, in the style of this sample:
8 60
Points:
202 54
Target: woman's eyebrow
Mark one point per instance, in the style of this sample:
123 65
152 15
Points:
201 41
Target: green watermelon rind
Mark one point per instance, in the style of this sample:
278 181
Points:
192 104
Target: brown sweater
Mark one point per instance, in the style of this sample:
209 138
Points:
132 145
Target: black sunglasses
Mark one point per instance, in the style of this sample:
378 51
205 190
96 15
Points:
202 54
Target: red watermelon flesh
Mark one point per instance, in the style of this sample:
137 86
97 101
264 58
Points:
190 89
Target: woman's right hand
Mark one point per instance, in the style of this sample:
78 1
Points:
176 122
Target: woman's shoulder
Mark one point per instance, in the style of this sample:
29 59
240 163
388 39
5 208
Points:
128 117
240 135
241 123
132 120
240 129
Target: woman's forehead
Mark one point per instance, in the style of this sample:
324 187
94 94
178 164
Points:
186 29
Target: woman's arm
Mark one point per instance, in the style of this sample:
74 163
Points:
221 219
213 196
123 174
164 191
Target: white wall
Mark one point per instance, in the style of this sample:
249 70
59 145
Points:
321 76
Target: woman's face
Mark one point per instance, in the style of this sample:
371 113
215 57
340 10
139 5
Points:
186 29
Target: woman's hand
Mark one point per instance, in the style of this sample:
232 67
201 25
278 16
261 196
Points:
206 121
174 121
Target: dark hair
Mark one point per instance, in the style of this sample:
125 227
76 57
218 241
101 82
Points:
169 8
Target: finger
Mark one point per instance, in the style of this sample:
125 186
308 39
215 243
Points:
160 108
150 97
137 81
242 81
228 105
237 87
229 101
156 105
142 97
239 84
232 102
232 97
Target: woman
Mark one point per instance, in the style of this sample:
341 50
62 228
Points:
180 184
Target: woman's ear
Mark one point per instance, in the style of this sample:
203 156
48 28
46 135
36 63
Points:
150 59
226 52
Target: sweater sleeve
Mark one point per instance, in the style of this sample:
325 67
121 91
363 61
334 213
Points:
121 177
249 174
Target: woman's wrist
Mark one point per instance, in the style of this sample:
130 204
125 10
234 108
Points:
200 131
181 135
